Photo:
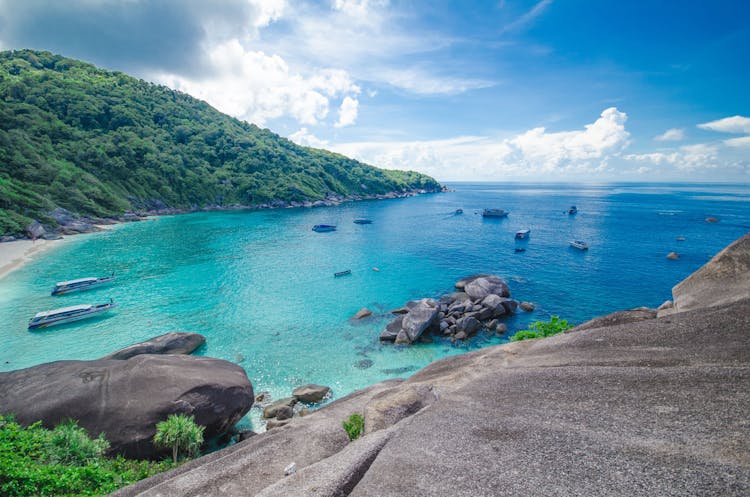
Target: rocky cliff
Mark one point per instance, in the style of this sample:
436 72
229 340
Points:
631 404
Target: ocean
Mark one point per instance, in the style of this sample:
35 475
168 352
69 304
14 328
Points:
260 285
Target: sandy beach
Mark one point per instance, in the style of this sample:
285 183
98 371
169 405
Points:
15 254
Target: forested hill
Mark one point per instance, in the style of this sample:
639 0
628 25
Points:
100 143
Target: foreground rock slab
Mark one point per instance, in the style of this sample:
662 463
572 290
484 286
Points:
168 343
124 399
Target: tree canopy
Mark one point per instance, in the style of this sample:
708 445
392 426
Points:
100 143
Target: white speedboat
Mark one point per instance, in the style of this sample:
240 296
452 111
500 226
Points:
522 234
45 319
323 228
494 213
81 284
580 245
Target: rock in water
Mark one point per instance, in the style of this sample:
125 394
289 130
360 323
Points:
363 313
673 255
480 287
124 399
272 409
419 318
311 394
168 343
527 306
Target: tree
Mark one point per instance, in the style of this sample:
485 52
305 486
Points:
180 432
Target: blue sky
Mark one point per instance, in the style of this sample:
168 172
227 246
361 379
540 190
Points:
546 90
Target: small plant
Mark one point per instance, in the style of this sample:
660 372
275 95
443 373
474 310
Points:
180 432
69 444
354 426
542 329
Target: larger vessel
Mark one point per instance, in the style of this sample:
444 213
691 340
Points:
580 245
68 314
322 228
81 284
494 213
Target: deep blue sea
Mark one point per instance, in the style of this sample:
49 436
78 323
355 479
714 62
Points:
260 286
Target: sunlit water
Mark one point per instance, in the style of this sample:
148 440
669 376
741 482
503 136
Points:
260 285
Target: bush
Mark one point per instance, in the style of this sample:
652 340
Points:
69 444
542 329
180 433
354 426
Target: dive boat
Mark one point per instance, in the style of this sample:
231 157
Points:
322 228
494 213
522 234
580 245
362 220
68 314
81 284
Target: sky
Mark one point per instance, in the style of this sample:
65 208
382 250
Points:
504 90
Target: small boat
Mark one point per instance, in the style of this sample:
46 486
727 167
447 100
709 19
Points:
494 213
68 314
522 234
81 284
580 245
322 228
572 210
342 273
362 220
459 211
520 249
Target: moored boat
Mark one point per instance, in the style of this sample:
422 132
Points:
580 245
522 234
494 213
342 273
81 284
362 220
459 211
572 210
322 228
63 315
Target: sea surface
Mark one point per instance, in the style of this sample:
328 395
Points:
260 285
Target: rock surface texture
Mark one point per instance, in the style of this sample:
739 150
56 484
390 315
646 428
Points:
169 343
126 398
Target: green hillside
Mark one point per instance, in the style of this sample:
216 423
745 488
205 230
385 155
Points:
100 143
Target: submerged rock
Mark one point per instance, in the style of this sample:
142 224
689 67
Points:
673 255
272 409
169 343
362 313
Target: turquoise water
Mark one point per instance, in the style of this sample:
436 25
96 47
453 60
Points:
260 286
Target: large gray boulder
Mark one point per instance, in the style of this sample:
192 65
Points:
169 343
124 399
482 286
419 318
311 394
723 279
35 230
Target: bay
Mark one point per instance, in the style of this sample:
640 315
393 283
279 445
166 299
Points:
260 285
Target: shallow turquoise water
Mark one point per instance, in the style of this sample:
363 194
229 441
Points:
260 285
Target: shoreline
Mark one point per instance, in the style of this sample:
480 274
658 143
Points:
15 254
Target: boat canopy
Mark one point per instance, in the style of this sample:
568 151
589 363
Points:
63 310
75 282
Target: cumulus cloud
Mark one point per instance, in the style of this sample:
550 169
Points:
685 158
734 124
257 87
529 154
306 139
671 135
347 112
742 142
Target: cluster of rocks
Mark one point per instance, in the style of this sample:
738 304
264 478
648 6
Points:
481 302
280 412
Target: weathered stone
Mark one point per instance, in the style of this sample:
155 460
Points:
126 398
272 409
35 230
617 318
461 284
468 325
485 313
460 335
492 324
479 288
501 328
363 313
392 329
245 434
311 394
418 319
673 255
712 220
510 305
284 412
666 305
402 338
169 343
263 397
527 306
275 423
390 407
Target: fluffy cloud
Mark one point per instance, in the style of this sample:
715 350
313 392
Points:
686 158
257 87
742 142
348 112
532 153
734 124
306 139
671 135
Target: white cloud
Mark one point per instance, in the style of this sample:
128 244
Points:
528 17
674 134
257 87
685 158
347 112
741 142
306 139
530 154
734 124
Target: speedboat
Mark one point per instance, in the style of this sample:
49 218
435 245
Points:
342 273
459 211
572 210
81 284
322 228
494 213
362 220
580 245
68 314
522 234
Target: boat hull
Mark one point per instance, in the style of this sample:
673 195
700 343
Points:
95 311
83 288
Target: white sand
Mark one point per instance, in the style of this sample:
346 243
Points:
15 254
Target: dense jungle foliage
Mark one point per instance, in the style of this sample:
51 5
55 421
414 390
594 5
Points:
100 142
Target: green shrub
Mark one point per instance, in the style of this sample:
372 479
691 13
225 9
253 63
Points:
542 329
69 444
179 432
354 426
